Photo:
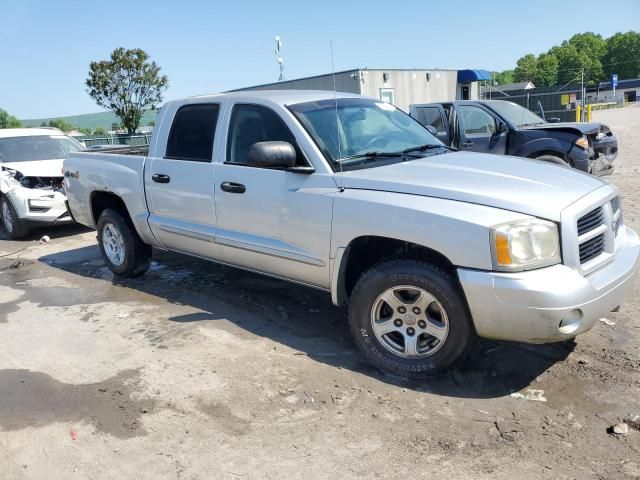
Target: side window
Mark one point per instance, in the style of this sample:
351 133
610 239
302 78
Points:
432 116
251 124
474 120
192 133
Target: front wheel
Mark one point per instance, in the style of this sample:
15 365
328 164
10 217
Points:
15 228
121 247
408 318
554 159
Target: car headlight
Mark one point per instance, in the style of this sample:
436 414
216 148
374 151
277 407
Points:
525 244
582 142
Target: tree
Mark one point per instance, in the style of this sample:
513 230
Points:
504 77
547 70
128 84
99 131
526 68
623 55
61 125
8 121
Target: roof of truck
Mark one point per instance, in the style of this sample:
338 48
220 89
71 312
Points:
28 132
284 97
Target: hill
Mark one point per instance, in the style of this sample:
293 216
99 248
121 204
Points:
89 120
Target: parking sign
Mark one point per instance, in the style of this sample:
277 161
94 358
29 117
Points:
614 80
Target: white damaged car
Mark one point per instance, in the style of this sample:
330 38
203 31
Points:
31 187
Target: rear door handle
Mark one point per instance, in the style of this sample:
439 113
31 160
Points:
467 144
160 178
232 187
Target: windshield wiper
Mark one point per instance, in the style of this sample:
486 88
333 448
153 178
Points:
427 146
373 155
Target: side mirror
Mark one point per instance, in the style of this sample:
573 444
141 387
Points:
272 155
553 120
432 130
502 128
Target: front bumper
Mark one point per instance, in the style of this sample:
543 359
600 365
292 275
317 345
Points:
549 304
39 207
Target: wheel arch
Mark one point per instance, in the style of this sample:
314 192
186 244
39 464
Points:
365 251
101 200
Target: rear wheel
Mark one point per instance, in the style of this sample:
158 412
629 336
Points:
121 247
408 318
15 228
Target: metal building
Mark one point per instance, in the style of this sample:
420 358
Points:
397 86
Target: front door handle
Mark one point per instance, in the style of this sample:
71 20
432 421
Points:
467 144
160 178
232 187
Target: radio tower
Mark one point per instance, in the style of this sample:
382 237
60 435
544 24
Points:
279 59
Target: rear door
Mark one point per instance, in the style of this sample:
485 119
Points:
478 130
434 116
179 180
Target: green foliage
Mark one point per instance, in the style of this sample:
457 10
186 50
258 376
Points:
61 125
128 84
502 78
99 131
8 121
526 68
588 52
623 55
546 71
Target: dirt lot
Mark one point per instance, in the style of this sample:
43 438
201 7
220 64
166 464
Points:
197 371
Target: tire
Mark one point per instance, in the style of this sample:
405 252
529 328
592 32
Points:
124 252
553 159
15 228
438 290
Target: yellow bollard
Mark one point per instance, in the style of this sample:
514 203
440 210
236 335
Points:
589 112
578 109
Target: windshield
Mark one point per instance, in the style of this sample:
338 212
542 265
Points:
362 126
36 147
515 114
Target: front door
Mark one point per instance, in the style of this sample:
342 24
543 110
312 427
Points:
179 182
478 130
271 220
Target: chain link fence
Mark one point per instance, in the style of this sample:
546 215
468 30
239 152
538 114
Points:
124 139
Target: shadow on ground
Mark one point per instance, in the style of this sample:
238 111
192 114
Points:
52 231
305 320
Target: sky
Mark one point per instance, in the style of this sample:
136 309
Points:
208 46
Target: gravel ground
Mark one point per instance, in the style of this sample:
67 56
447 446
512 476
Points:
197 371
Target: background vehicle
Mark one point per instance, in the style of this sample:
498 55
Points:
505 128
31 191
350 195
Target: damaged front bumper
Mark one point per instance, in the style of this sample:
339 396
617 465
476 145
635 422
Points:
549 304
39 207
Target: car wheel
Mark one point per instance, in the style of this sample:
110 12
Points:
408 318
15 228
553 159
121 247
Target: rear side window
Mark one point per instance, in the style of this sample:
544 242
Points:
251 124
192 133
431 116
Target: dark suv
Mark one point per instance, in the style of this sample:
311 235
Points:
505 128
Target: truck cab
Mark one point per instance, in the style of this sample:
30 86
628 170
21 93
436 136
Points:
505 128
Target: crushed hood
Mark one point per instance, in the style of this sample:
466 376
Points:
585 128
521 185
37 168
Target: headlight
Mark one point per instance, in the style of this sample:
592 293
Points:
582 142
525 244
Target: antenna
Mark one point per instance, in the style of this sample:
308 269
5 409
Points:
335 99
279 59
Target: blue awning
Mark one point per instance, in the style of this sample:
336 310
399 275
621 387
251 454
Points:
467 76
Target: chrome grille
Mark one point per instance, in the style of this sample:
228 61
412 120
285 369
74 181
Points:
590 221
592 248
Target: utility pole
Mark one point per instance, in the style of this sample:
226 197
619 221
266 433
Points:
582 95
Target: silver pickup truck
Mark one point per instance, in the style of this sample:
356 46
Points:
428 247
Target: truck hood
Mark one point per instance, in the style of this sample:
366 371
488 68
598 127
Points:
37 168
585 128
521 185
